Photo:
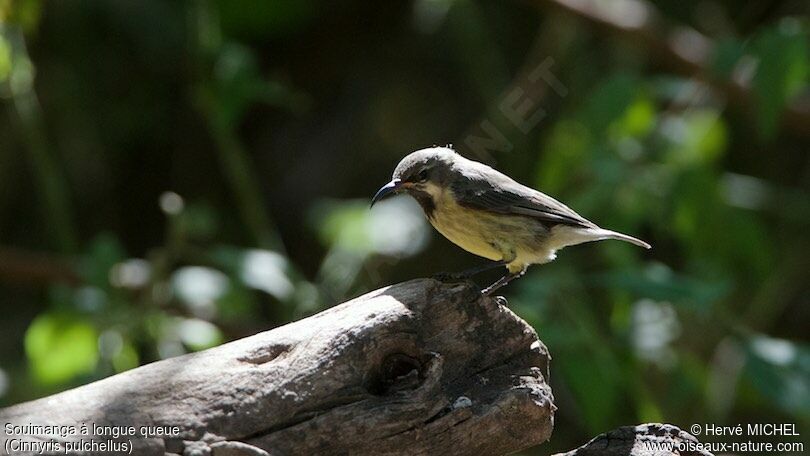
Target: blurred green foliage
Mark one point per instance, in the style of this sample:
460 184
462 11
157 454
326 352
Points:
186 173
60 348
782 70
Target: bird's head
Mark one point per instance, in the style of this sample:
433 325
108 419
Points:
423 175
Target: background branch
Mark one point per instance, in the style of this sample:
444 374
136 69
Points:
23 266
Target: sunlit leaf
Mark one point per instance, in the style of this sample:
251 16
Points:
394 227
25 13
638 118
198 334
60 347
655 326
698 136
114 347
126 359
5 59
133 273
267 271
199 288
345 225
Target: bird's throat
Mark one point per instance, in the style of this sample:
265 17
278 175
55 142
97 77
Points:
425 200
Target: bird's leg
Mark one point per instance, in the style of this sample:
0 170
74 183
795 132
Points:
502 282
467 273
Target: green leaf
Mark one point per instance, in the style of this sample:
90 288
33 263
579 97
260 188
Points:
198 334
638 118
726 55
60 348
237 305
104 253
5 59
239 83
126 359
25 13
696 205
698 137
198 221
344 224
610 102
781 73
566 149
660 283
395 227
257 19
595 385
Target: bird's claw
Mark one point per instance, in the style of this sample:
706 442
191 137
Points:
500 300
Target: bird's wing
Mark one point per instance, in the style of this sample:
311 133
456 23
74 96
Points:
502 195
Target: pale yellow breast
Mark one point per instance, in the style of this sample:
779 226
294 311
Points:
519 240
468 229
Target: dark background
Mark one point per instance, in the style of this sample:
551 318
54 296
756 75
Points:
174 175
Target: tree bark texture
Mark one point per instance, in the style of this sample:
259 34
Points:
651 439
417 368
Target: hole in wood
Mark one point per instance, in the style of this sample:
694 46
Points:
397 372
266 354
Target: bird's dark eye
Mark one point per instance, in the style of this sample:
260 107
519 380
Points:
422 176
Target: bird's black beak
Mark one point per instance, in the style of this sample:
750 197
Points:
386 190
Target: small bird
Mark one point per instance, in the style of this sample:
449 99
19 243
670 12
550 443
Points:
487 213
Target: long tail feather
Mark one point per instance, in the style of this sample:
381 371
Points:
607 234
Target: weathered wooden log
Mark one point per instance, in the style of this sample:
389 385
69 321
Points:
651 439
418 368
